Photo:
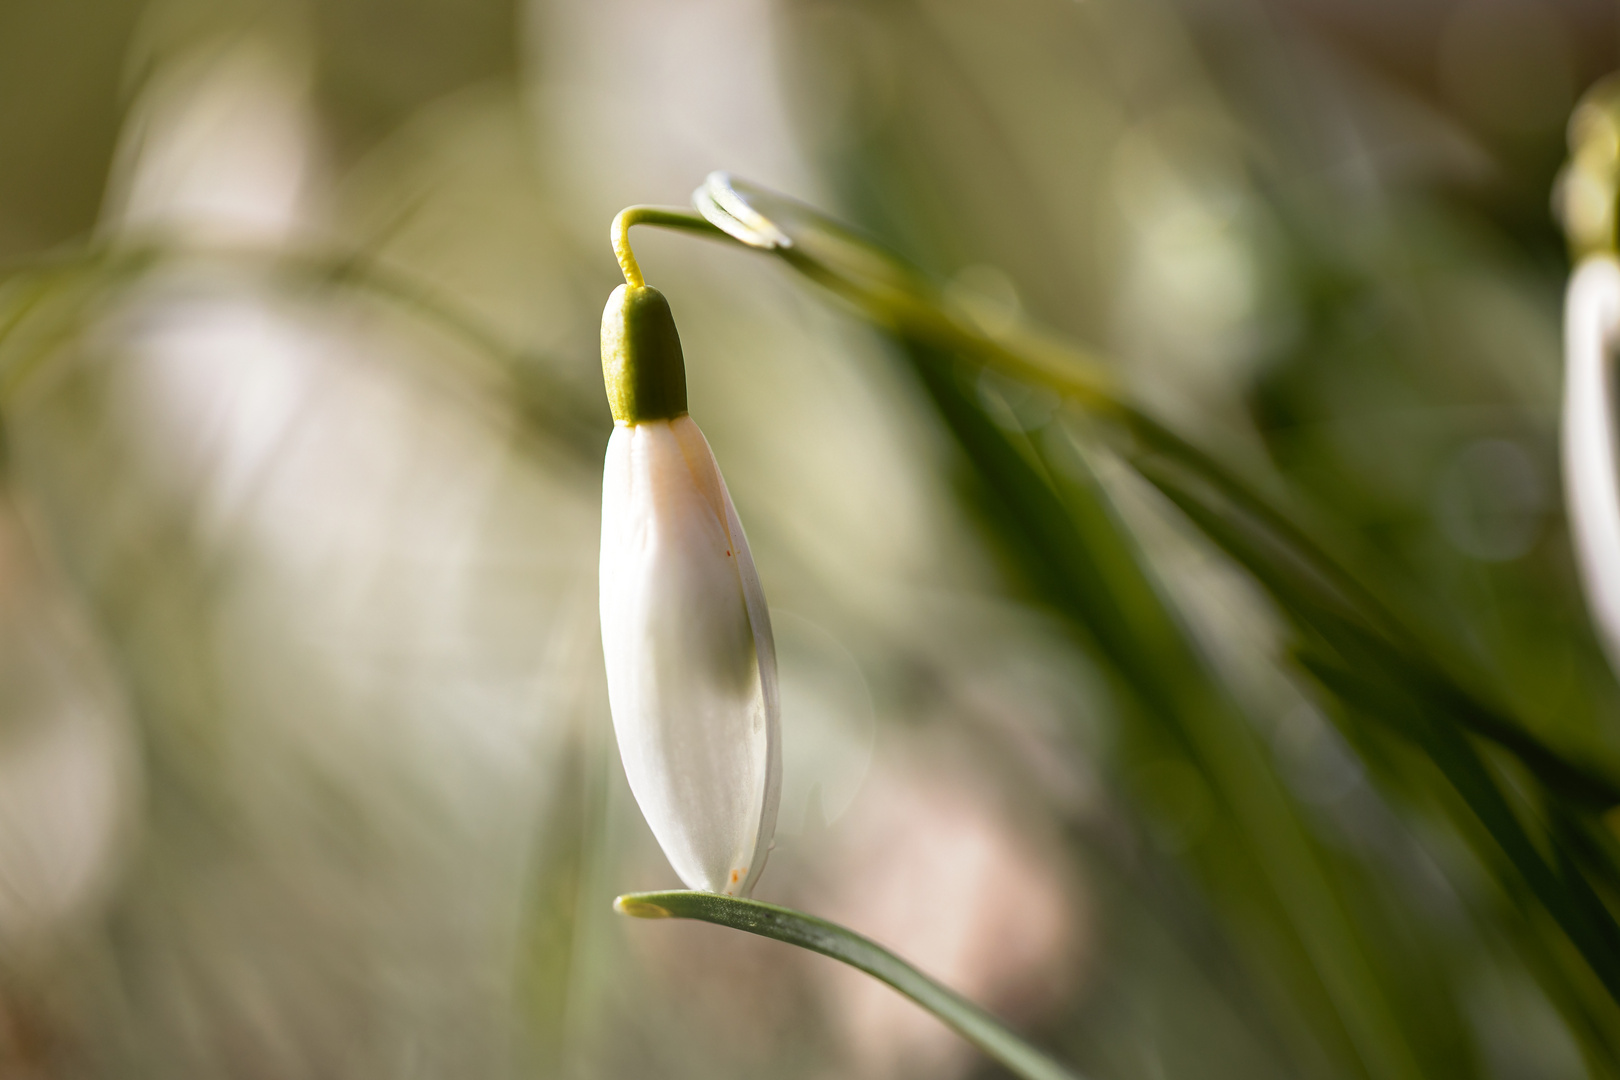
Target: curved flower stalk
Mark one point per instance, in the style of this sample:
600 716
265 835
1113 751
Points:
686 635
1591 478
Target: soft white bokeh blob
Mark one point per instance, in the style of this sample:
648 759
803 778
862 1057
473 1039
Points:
929 865
219 148
69 779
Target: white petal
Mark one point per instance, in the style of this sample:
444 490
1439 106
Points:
690 661
1591 318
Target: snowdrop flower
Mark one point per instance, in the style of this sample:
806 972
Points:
1591 483
691 664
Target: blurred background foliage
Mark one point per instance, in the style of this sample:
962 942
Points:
305 763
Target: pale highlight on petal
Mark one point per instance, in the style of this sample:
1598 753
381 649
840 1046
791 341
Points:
691 664
1591 484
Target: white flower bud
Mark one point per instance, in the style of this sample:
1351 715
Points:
691 665
1591 483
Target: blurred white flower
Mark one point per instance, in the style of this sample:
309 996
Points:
691 664
1591 319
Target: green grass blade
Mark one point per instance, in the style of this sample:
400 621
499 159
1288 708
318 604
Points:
1561 888
1077 555
1310 594
830 939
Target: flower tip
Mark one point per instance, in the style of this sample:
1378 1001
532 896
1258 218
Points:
642 366
639 909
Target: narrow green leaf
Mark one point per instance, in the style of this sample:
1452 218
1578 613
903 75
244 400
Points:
1561 889
1309 593
1078 555
830 939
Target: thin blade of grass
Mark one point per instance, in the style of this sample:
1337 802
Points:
1303 593
829 939
1079 557
1562 890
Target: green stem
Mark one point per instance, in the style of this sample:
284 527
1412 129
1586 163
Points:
670 217
830 939
901 300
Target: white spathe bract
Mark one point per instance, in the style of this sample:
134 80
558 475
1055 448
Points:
691 665
1591 484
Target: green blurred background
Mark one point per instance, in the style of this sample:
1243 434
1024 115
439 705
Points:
305 762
